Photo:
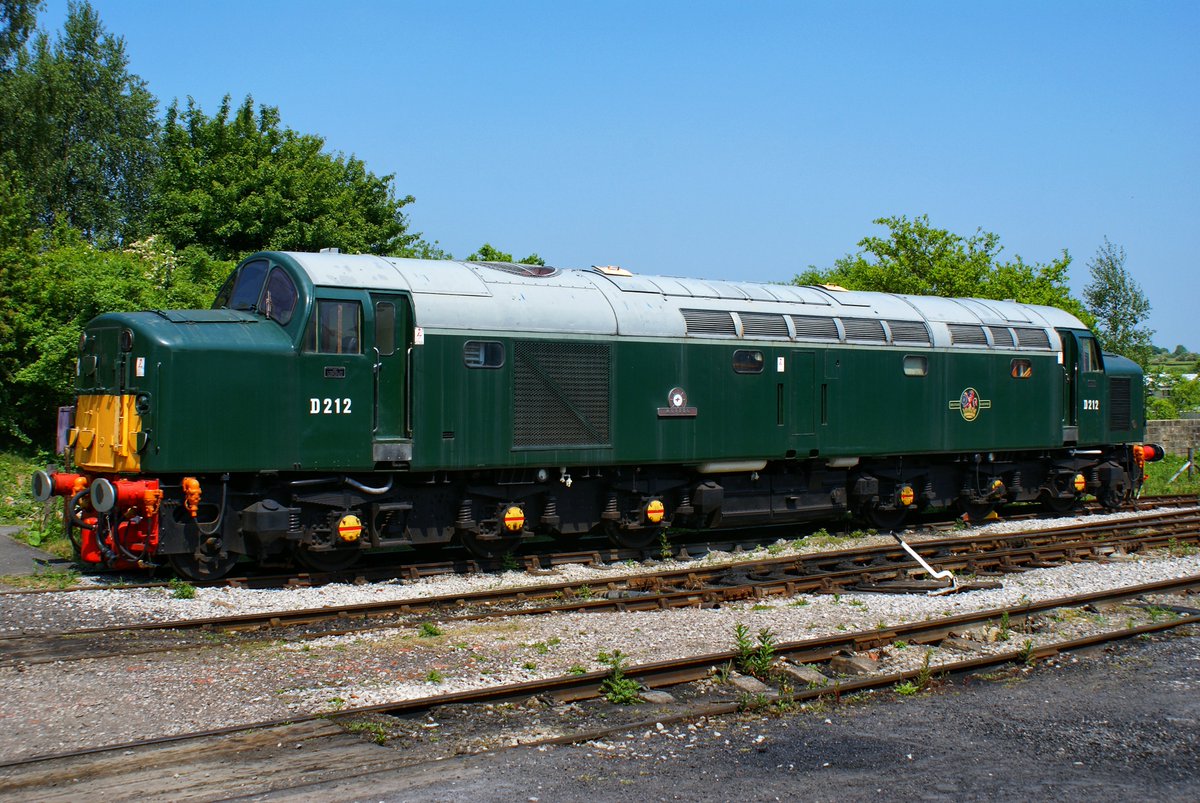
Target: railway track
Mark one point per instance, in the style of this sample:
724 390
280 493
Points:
885 569
689 547
265 756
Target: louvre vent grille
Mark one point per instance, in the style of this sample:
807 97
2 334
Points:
708 322
864 329
1001 337
1032 338
967 335
815 327
762 324
1120 404
909 332
520 268
561 394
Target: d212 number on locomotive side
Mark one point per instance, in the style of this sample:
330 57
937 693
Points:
329 406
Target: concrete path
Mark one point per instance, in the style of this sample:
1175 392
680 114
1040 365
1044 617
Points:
19 558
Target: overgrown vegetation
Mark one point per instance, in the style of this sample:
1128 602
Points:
921 681
617 688
106 205
429 630
181 589
1158 473
757 659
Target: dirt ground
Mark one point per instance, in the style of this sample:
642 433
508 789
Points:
1122 724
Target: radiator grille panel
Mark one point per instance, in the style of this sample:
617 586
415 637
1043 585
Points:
909 332
561 394
708 322
1032 338
864 329
763 324
815 327
1120 404
962 334
1001 337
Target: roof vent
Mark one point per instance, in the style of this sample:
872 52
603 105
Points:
611 270
331 250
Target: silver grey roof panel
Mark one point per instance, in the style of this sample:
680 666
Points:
457 295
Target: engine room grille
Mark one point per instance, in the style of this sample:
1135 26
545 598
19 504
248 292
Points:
763 324
1032 338
561 394
815 327
1120 404
708 322
909 332
967 335
864 329
1001 337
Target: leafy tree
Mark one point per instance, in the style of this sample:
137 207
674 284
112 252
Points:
1119 305
239 181
17 21
1186 395
918 259
50 293
1159 409
488 253
79 127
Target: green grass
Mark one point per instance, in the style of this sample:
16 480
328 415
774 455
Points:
1158 473
41 524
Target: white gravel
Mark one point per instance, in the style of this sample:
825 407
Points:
97 608
107 700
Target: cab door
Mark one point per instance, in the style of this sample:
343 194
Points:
390 437
1084 378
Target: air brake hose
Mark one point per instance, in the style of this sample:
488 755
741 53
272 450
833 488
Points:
216 525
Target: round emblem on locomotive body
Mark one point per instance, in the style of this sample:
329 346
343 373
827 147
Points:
969 404
677 398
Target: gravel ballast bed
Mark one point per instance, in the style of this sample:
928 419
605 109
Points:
50 708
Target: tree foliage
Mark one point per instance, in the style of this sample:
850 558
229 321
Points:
103 210
488 253
1119 306
17 21
239 181
918 259
79 128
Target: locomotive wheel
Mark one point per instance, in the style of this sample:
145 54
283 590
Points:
329 560
209 566
634 539
1059 504
488 548
885 519
1113 498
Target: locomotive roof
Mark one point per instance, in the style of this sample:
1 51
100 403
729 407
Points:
496 296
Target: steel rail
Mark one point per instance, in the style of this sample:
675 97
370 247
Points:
689 669
538 563
701 588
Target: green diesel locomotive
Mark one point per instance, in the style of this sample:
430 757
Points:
329 403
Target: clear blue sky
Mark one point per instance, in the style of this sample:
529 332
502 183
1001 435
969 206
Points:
731 140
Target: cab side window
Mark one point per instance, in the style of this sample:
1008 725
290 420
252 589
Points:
1089 356
279 299
247 287
335 328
